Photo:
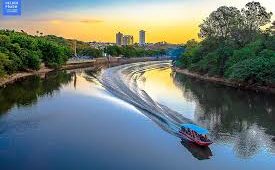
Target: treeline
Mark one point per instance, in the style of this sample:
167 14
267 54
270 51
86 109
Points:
20 51
132 51
234 45
82 48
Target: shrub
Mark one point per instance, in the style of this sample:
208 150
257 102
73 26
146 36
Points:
255 70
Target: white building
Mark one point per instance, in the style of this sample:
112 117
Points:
142 38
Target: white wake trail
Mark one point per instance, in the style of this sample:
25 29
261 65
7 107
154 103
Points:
122 81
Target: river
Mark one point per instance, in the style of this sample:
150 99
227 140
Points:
127 117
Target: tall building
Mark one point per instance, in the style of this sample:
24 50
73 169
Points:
141 37
128 40
119 38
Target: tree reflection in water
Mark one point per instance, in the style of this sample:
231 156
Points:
27 91
242 118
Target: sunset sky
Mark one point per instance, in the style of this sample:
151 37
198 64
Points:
174 21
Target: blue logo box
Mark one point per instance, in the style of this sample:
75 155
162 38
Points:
11 7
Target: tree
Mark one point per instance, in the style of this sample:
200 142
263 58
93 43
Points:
113 50
24 51
230 23
255 16
192 53
53 55
4 62
34 60
260 69
4 41
221 23
92 52
24 41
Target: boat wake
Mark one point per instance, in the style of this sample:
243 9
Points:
122 81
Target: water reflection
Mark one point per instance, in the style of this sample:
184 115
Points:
201 153
27 92
241 118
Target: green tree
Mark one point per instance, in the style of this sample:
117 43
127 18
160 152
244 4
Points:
4 62
255 16
53 55
4 41
192 53
34 60
221 23
88 51
259 70
113 50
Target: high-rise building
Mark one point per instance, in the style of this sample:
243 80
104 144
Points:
128 40
119 38
141 37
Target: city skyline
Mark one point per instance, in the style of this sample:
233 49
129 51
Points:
175 21
123 39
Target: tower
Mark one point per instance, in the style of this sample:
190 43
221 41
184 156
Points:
141 37
119 37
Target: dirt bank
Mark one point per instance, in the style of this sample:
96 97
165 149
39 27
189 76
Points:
17 76
226 82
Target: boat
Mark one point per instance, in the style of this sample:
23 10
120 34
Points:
195 134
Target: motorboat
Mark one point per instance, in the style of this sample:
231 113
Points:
195 134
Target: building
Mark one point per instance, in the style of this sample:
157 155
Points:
128 40
119 38
100 45
142 38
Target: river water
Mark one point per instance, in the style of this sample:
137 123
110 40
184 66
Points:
127 117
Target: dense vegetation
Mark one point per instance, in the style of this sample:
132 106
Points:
20 51
234 45
132 51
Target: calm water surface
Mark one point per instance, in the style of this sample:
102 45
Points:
68 120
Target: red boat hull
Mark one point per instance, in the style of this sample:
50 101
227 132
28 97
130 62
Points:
194 140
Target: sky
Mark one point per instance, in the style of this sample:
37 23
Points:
173 21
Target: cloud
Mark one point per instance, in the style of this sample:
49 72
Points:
91 21
59 20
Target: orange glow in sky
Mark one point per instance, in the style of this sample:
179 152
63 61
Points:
174 21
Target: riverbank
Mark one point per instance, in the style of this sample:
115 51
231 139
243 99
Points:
226 82
77 64
17 76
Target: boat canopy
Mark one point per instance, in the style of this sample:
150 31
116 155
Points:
196 128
